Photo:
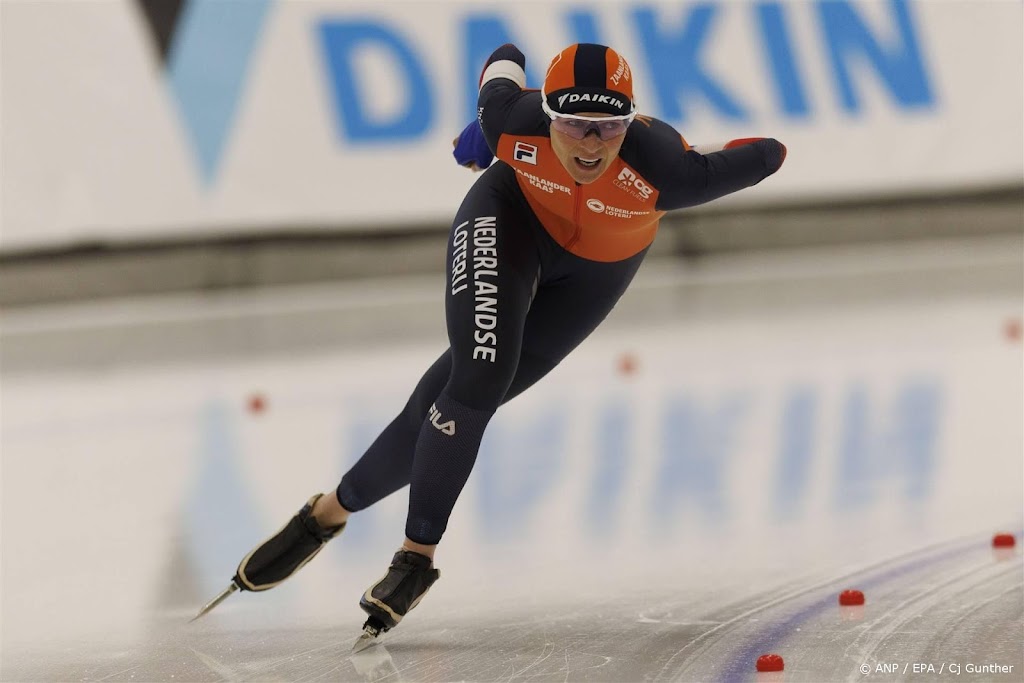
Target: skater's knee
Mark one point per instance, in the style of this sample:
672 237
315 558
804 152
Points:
480 395
532 367
480 388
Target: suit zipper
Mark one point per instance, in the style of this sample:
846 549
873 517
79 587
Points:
577 228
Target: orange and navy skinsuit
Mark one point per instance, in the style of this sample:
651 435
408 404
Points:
534 263
616 216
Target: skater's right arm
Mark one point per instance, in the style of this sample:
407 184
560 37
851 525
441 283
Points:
504 105
502 91
502 80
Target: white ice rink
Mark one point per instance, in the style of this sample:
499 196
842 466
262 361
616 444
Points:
742 440
928 611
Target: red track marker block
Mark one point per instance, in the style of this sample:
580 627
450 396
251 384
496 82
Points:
851 597
770 662
1003 541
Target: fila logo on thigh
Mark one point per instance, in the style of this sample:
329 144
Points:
443 427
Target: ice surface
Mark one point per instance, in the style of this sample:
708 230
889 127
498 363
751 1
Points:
867 436
951 605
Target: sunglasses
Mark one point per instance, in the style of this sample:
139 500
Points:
577 127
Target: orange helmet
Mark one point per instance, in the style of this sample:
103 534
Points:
588 77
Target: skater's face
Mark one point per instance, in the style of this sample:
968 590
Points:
586 148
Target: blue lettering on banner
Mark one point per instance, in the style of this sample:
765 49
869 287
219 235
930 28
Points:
850 42
873 452
583 27
342 42
675 58
698 443
674 63
778 47
482 34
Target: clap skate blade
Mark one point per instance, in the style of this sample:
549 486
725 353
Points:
221 597
372 630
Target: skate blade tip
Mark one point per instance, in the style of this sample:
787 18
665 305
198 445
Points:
364 641
202 613
221 597
362 644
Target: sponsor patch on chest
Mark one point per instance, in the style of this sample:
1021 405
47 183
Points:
633 184
597 206
525 153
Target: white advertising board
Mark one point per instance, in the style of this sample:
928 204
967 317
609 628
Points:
277 115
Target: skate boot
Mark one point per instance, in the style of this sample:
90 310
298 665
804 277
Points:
280 556
408 579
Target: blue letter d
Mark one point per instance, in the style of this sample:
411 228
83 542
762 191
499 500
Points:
342 41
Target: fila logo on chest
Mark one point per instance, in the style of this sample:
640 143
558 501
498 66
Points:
525 153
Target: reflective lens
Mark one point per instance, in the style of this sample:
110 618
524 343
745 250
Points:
577 128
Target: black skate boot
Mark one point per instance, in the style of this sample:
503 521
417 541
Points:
409 578
280 556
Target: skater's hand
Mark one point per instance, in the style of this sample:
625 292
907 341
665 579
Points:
471 148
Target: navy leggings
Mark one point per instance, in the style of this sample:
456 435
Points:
516 304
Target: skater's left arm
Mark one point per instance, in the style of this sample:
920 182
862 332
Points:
692 175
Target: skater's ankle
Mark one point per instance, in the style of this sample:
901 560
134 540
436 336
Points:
419 548
328 512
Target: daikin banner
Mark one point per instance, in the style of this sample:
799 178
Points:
135 120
